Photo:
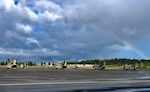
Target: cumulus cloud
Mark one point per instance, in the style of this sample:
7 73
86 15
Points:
42 5
33 52
24 28
32 42
47 16
7 4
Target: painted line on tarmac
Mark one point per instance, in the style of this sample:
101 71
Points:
79 82
47 83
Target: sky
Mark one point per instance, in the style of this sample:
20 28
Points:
74 29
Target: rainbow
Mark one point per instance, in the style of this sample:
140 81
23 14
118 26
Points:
129 45
135 49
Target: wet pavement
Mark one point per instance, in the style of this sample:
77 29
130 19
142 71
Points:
73 80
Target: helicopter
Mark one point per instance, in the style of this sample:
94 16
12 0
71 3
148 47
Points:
100 66
61 65
12 65
130 66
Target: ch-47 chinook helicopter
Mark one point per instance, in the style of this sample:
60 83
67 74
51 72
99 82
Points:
61 65
100 66
12 65
130 66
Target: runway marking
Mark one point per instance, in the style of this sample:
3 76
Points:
79 82
46 83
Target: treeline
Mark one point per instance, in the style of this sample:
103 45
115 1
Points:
116 61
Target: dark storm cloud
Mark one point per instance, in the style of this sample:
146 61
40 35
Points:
72 29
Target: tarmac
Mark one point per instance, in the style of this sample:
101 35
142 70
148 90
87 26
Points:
72 80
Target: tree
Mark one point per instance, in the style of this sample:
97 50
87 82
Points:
3 63
30 63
